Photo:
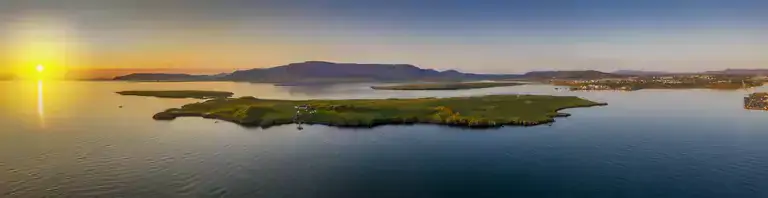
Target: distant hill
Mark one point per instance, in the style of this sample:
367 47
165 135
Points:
750 72
640 73
755 72
327 71
313 72
585 74
7 77
163 77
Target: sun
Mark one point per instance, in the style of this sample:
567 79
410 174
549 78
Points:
42 71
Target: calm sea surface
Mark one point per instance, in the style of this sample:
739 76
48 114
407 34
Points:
71 139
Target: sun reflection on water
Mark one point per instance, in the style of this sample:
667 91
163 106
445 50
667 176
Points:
40 103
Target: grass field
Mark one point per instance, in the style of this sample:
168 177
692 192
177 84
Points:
480 111
446 86
179 94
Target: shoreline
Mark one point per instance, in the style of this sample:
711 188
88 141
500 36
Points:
445 86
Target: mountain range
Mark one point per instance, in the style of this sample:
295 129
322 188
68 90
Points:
760 72
7 77
750 72
312 72
320 71
640 73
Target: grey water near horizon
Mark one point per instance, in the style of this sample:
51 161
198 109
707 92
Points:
72 139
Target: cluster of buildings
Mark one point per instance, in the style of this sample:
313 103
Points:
756 101
669 80
630 80
664 81
604 80
300 111
601 87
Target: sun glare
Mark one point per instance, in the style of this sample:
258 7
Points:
43 47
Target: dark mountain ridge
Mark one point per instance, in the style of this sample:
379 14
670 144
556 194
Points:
7 77
641 73
328 72
734 72
312 72
756 72
320 70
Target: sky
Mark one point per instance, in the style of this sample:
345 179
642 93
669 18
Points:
492 36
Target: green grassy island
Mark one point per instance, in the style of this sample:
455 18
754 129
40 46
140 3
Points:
447 86
474 112
179 94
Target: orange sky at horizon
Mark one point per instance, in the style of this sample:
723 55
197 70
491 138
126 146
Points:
103 39
95 73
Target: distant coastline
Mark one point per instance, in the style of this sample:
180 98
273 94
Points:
321 72
666 82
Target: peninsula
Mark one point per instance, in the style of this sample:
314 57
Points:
447 86
473 112
179 94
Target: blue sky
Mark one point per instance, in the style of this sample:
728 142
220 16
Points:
480 36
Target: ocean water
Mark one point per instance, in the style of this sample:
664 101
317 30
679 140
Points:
72 139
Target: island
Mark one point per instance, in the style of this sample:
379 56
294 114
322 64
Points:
756 101
473 112
179 94
447 86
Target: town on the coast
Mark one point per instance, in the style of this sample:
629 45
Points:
756 101
663 82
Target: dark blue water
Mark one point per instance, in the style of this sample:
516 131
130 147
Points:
651 143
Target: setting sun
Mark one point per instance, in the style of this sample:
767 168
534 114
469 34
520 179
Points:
43 48
42 72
